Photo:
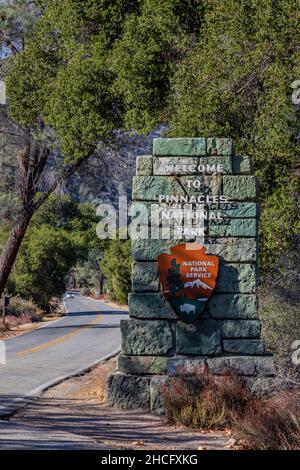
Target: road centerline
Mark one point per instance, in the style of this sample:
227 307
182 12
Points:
61 339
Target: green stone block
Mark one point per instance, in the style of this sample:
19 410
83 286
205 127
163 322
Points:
233 228
157 385
241 328
209 184
149 250
229 249
225 161
128 391
240 365
216 146
179 146
243 346
150 305
236 278
182 365
140 365
233 306
242 165
175 165
146 337
200 338
233 249
145 276
239 187
144 165
264 366
234 210
148 188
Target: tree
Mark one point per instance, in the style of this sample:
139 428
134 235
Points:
88 273
116 267
46 258
67 87
67 78
61 235
174 279
91 68
236 82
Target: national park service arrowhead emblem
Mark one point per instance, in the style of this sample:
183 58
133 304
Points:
188 277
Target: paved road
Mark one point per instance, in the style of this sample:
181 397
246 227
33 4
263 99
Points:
89 333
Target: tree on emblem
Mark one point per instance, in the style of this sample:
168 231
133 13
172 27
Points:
174 280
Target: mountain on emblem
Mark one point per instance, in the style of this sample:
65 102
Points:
188 277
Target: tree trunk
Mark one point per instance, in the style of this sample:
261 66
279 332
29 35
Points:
10 251
101 284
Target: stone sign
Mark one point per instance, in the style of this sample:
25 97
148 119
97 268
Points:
199 194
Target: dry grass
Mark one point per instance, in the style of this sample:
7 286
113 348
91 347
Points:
24 308
205 402
20 313
272 424
94 386
201 401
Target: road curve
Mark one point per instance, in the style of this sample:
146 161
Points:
89 333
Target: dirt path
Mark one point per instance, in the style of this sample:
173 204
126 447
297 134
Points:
72 416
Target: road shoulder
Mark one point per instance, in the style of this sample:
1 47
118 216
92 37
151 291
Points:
73 415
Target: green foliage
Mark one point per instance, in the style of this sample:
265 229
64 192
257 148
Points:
46 257
211 67
116 267
63 74
236 82
145 57
91 67
88 271
62 235
280 224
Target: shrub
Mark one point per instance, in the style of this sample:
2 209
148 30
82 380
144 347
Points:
272 424
201 401
19 307
279 297
207 402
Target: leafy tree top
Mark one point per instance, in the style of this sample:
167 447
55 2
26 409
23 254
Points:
91 67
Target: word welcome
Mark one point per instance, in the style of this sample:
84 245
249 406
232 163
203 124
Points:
184 168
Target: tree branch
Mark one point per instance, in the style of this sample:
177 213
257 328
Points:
67 172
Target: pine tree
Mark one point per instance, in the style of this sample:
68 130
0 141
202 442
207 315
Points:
174 279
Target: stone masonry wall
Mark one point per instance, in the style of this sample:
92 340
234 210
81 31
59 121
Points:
155 343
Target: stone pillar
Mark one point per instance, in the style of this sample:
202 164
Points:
156 344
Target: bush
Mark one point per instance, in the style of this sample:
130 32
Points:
206 402
272 424
279 297
19 307
200 401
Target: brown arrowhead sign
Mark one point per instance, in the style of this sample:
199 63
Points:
188 277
